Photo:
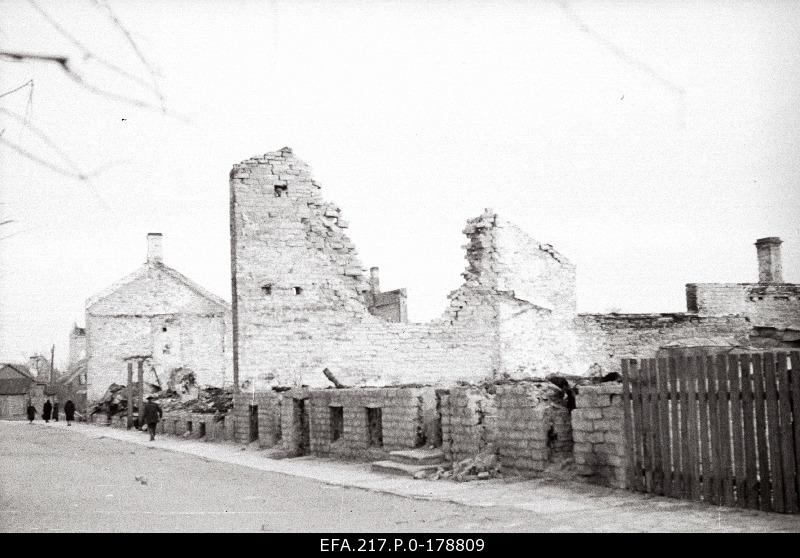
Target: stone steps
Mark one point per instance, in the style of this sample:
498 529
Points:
414 463
402 469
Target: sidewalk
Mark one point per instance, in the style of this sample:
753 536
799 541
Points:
583 507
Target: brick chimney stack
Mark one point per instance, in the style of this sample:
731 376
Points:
374 280
770 269
155 250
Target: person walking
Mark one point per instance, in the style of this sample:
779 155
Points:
69 411
31 412
55 410
47 408
151 415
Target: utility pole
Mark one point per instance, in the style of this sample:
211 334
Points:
141 390
130 394
52 357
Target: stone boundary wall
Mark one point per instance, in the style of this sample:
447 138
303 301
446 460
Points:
599 435
468 422
533 429
403 418
291 422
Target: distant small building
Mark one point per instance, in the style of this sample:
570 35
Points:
160 317
17 388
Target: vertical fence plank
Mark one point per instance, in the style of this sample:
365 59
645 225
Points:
759 398
636 392
724 431
785 433
627 405
686 466
737 430
675 429
704 431
751 466
773 432
662 385
658 469
647 426
713 414
794 380
691 411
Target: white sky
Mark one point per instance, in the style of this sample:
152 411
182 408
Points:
414 117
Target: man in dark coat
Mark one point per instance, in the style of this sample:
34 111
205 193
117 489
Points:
46 410
69 411
150 416
55 411
31 412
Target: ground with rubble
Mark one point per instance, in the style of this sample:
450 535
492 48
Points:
92 478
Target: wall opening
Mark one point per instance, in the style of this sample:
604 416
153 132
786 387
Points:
374 427
201 429
281 190
253 436
302 437
189 426
266 289
297 290
337 422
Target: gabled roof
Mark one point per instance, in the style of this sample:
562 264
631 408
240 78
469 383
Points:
21 368
74 371
142 272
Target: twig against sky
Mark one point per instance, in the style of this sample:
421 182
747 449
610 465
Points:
629 59
135 47
45 138
28 83
89 55
63 63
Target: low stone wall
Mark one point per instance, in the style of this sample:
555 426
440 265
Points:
468 422
533 427
269 419
599 434
365 422
295 419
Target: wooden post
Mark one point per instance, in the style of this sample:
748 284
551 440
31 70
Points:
140 401
130 394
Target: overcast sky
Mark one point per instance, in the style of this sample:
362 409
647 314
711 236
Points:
650 142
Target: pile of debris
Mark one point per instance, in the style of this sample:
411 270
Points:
188 397
482 466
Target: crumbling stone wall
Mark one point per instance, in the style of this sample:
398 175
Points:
468 422
406 414
772 305
301 300
599 434
295 426
534 427
269 419
604 339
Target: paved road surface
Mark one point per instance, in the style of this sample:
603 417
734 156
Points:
83 478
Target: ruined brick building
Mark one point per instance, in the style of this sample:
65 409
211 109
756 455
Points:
302 301
158 315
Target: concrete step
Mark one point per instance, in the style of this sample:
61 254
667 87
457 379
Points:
419 456
403 469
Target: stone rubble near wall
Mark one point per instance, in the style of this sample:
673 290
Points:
599 434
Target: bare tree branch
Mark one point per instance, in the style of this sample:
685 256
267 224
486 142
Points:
28 83
45 138
89 55
679 91
134 46
63 62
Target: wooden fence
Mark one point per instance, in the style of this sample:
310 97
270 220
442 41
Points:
724 429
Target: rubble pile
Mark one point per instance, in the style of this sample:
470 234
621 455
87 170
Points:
188 397
480 467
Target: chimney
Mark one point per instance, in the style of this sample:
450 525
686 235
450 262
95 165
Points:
770 269
155 251
374 280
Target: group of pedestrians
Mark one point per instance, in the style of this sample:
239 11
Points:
51 411
151 414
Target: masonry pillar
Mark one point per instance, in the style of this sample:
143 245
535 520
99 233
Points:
770 268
